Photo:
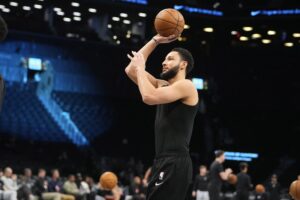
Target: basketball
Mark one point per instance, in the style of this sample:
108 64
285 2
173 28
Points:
259 188
295 190
108 180
169 21
232 179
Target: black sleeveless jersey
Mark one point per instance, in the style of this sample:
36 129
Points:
173 127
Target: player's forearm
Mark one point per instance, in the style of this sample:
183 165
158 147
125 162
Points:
148 48
146 89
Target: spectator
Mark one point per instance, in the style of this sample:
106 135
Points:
56 185
25 183
9 181
137 189
70 186
243 185
273 188
200 190
41 189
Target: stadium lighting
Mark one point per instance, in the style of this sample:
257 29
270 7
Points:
244 38
289 44
271 32
75 4
37 6
142 14
27 8
256 36
208 29
92 10
124 15
266 41
14 4
247 28
67 19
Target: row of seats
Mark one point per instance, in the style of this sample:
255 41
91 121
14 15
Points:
92 114
23 115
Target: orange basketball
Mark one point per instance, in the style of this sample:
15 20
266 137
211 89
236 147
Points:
232 179
259 188
108 180
169 21
295 190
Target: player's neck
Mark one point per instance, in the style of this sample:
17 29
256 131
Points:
178 77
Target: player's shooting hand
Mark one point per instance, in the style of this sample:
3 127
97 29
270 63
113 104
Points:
161 39
137 59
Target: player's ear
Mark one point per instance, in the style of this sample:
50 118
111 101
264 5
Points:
183 64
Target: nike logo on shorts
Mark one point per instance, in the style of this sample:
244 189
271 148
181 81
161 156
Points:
157 184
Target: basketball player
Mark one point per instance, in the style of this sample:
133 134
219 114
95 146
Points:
243 184
217 175
177 103
3 33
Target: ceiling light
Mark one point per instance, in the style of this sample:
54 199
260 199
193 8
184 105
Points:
234 32
77 18
208 29
56 9
244 38
75 4
109 26
92 10
60 13
142 14
115 37
124 15
256 35
26 8
186 26
37 6
78 14
271 32
116 19
296 35
13 4
118 42
126 21
266 41
6 10
289 44
247 28
216 5
67 19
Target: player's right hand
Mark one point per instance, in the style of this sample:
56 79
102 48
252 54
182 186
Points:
163 40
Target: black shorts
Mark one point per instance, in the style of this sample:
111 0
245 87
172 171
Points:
171 177
214 192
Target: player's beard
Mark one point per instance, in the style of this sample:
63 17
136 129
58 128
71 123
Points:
169 74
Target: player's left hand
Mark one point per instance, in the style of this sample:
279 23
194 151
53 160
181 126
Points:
137 60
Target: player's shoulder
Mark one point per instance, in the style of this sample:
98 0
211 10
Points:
186 83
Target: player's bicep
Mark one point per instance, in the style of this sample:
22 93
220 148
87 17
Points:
170 93
132 75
